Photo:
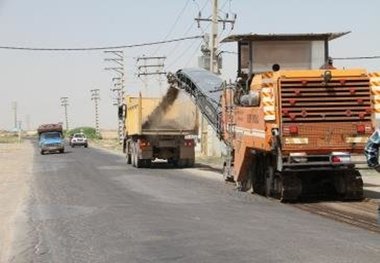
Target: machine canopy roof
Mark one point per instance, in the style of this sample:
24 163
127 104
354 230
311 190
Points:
284 37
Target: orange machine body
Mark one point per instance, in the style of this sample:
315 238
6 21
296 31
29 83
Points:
300 112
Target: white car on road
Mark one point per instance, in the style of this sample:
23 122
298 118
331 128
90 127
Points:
78 139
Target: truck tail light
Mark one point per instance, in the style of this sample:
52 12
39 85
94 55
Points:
340 157
293 130
363 129
290 130
189 143
360 129
144 143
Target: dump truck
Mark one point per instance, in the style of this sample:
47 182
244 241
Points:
291 127
50 138
159 129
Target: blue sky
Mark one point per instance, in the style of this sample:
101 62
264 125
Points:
36 80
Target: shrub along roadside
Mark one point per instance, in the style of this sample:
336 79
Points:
88 131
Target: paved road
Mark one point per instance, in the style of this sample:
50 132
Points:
87 205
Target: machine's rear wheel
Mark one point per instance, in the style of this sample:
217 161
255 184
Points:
129 158
353 185
291 188
147 163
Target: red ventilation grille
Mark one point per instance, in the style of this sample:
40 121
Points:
340 100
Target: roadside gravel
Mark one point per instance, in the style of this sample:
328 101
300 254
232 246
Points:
16 160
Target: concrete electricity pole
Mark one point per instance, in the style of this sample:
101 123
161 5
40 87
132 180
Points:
95 97
117 58
14 108
214 38
148 66
65 103
215 20
207 134
27 121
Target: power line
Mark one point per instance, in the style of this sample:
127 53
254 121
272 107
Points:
357 58
174 24
99 48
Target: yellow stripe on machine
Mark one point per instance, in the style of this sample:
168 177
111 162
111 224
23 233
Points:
267 75
268 104
296 140
374 80
376 104
375 90
250 132
374 74
359 139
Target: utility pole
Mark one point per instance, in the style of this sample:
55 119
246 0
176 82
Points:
65 103
214 38
117 58
215 20
27 121
19 131
14 108
148 66
95 97
214 57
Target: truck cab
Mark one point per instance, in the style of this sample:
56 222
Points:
50 138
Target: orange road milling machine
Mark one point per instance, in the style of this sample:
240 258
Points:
291 127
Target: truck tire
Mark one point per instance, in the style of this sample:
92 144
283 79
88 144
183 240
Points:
42 152
133 159
190 162
181 163
62 151
139 162
129 158
148 163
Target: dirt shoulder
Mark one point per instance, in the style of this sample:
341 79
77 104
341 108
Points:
16 161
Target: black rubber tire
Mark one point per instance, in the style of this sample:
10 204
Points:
129 158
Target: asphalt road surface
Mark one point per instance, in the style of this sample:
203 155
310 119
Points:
87 205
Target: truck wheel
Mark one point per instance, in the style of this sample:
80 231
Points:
62 151
190 162
139 162
129 159
269 174
42 152
182 163
148 163
133 159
